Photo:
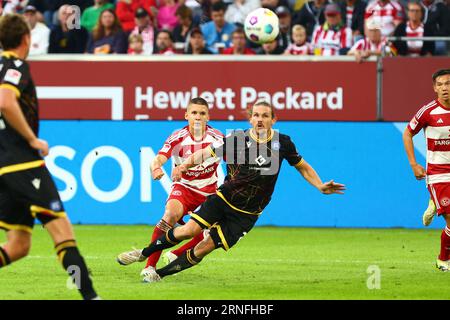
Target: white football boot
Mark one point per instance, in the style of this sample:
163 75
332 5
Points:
126 258
443 265
149 275
429 213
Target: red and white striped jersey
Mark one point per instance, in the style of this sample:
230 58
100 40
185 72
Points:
294 49
328 42
180 145
414 47
435 120
366 44
386 13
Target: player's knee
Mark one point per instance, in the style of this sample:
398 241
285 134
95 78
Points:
190 229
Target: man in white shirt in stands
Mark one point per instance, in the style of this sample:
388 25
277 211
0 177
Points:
40 33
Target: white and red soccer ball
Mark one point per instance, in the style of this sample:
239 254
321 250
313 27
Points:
261 26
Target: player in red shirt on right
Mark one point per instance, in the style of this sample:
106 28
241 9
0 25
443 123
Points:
196 184
434 118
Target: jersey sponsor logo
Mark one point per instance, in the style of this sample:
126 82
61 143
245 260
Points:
36 183
443 142
199 173
13 76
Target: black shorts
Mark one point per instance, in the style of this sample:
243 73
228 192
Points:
26 194
227 225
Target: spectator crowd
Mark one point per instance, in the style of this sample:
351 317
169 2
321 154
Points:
168 27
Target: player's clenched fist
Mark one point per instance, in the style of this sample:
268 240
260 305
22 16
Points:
157 173
419 171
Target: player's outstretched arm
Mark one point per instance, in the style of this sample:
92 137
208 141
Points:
313 178
156 165
419 171
13 114
194 159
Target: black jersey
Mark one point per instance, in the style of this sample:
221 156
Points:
15 75
253 167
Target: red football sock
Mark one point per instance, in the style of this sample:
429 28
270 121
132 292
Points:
178 252
445 244
154 257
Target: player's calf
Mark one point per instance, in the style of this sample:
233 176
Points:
74 264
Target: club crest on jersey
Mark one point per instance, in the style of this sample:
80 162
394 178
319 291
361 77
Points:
445 202
55 205
13 76
276 145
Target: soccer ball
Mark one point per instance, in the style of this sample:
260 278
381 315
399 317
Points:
261 26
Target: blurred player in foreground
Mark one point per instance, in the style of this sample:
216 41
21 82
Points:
27 190
195 185
434 118
253 159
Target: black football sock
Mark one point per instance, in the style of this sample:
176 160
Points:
4 258
75 266
167 240
183 262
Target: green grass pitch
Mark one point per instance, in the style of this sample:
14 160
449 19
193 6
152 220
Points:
269 263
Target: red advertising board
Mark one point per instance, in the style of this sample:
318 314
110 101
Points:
407 85
156 90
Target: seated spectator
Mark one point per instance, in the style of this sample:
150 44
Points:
436 18
164 43
40 33
145 29
239 9
64 39
299 45
333 37
352 12
285 20
372 45
184 25
414 27
238 44
107 36
166 17
90 16
135 44
217 32
270 48
197 43
14 6
126 10
310 15
389 13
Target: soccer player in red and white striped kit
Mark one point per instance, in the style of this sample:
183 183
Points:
434 118
196 184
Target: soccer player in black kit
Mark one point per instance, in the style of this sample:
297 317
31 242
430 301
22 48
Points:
27 190
253 158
